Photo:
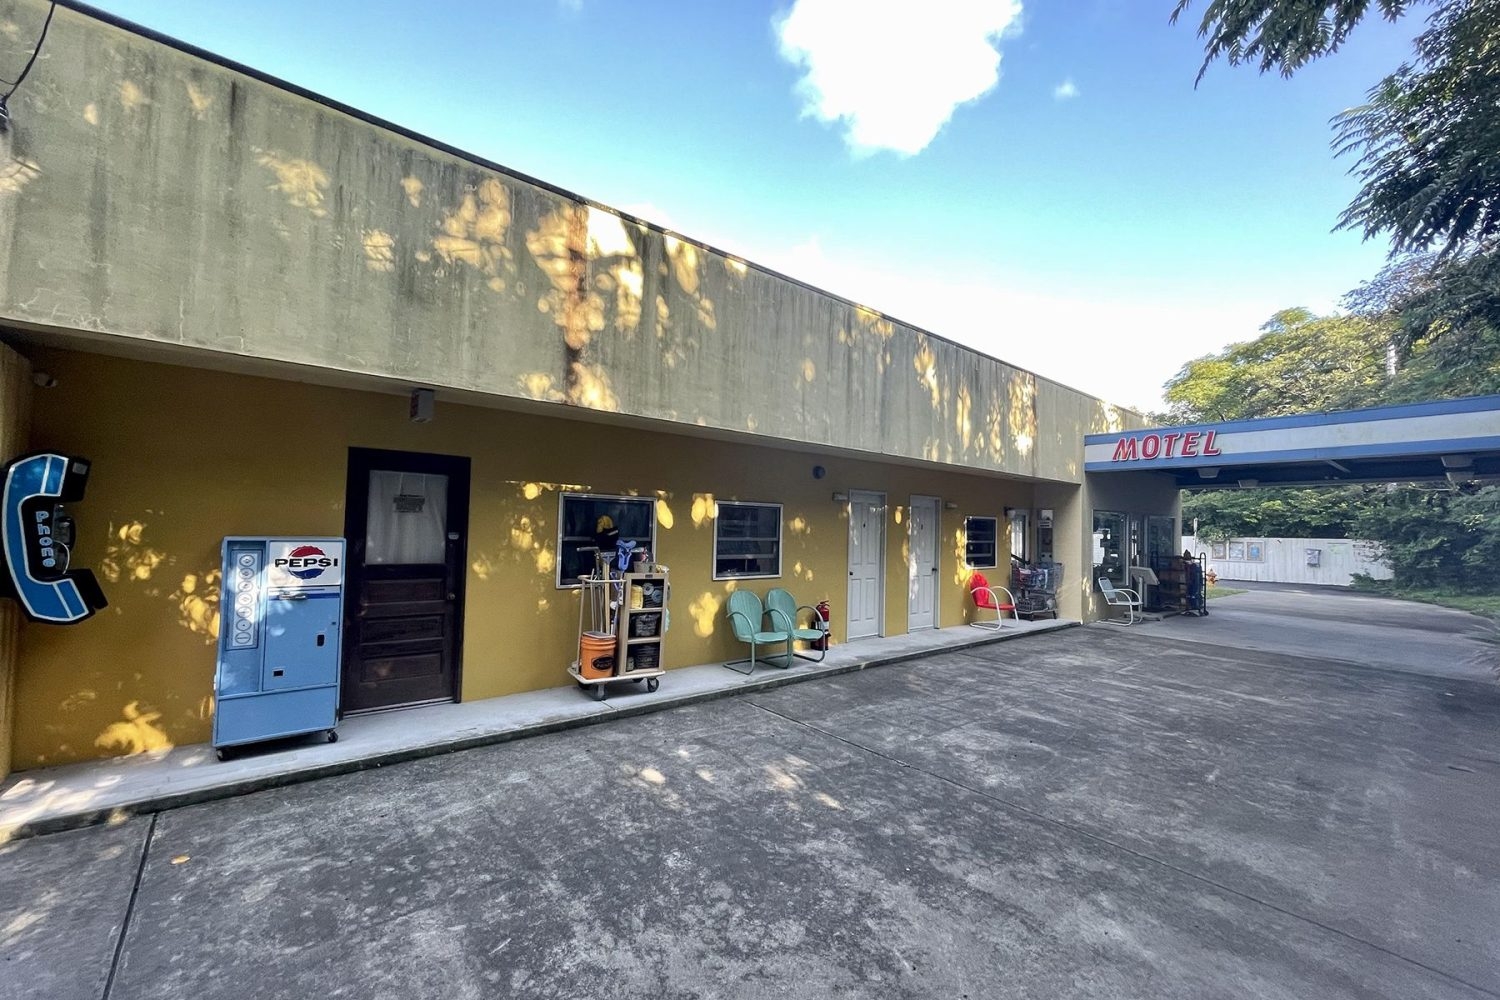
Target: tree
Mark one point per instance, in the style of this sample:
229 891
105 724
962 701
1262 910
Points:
1437 538
1444 316
1427 143
1283 35
1301 363
1286 513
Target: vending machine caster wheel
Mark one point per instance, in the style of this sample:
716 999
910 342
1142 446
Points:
333 737
221 754
652 683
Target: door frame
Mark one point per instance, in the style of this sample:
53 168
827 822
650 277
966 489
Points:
878 499
937 558
361 462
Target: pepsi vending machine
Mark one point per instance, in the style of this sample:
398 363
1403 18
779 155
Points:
281 618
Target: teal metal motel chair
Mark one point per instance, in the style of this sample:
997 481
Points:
746 618
783 609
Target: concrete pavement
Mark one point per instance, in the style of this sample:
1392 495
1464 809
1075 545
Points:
1099 813
1354 627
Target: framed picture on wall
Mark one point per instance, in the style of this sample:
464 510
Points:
1253 551
1237 551
1217 550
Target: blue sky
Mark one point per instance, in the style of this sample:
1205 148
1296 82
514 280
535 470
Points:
1090 215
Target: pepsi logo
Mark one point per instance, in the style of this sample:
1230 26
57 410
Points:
306 562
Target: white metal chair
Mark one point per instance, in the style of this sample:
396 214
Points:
985 598
1120 597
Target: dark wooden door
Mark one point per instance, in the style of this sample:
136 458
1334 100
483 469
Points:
406 519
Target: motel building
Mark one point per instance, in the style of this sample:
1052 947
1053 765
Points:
245 310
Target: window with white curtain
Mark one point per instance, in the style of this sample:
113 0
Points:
408 519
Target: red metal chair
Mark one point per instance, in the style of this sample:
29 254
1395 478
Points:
986 598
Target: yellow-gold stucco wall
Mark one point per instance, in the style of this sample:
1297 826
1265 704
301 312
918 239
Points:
15 419
182 457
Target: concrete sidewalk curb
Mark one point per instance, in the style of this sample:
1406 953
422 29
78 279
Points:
161 802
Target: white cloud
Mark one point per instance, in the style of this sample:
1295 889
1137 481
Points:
893 74
1065 91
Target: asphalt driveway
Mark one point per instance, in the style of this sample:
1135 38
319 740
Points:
1155 812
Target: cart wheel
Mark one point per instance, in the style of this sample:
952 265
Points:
599 692
333 737
221 754
652 683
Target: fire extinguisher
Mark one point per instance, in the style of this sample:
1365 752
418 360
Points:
824 615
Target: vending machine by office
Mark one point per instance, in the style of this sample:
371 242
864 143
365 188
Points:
281 619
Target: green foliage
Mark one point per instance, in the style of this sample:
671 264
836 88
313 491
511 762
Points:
1428 141
1427 154
1283 35
1445 320
1287 513
1301 364
1438 539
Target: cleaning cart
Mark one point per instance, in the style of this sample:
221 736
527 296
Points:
622 618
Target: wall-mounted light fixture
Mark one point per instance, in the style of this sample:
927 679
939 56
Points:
841 498
422 402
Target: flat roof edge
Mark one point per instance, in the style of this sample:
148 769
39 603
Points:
135 28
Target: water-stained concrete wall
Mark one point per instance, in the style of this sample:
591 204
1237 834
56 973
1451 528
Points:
151 195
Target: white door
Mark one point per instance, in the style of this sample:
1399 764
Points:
866 563
921 567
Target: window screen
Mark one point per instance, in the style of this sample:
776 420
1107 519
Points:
747 540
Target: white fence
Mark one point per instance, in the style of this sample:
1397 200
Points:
1330 562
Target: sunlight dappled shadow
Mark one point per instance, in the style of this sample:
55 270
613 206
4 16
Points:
704 610
16 173
137 732
473 233
199 101
705 509
379 247
302 181
412 186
